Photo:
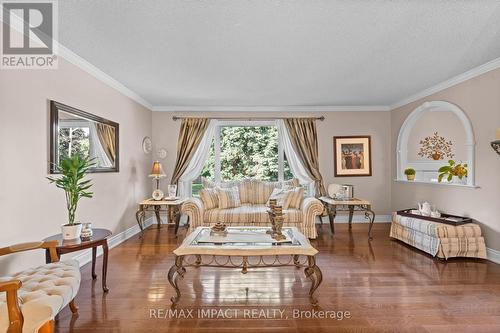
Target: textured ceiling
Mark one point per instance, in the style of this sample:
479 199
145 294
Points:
277 53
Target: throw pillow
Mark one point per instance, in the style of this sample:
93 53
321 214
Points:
228 197
280 195
209 198
294 198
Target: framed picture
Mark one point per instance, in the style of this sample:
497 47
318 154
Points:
352 156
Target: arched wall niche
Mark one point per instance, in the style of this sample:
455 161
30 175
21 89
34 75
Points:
427 169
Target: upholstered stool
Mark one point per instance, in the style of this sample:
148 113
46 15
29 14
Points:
35 296
439 239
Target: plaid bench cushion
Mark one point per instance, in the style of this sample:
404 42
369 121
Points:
438 239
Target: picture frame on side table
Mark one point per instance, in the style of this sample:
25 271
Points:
352 156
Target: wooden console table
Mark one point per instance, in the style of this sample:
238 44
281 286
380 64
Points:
172 207
99 238
334 206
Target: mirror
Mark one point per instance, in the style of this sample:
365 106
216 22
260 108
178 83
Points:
73 131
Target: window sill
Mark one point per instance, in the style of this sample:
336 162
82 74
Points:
435 183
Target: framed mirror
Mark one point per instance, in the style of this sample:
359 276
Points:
74 131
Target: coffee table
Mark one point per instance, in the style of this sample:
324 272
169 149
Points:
245 248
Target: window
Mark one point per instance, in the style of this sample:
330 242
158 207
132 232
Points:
245 150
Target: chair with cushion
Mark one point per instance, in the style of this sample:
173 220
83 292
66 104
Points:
30 300
217 203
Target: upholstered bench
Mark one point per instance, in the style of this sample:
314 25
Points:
439 239
29 300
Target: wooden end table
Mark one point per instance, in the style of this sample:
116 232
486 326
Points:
334 206
173 209
99 238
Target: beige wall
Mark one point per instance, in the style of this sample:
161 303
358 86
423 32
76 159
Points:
376 124
479 98
30 207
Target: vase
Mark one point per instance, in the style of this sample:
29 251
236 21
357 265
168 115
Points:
410 177
70 232
436 156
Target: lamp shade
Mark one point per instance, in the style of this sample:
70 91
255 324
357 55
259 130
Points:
157 171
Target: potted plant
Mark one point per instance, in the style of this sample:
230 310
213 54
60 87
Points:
410 174
73 170
452 170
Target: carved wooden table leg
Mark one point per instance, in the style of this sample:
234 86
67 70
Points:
313 272
104 265
173 274
332 212
157 213
139 216
177 218
369 212
94 255
351 213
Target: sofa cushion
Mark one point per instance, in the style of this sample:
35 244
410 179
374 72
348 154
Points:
209 197
294 198
248 213
228 197
44 292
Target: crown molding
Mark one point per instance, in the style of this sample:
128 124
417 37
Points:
62 51
86 66
470 74
285 108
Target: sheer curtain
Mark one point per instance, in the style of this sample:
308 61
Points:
96 149
294 160
197 162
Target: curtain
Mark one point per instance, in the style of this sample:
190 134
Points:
96 149
191 148
107 139
304 139
294 161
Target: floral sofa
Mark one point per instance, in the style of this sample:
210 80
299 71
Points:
254 195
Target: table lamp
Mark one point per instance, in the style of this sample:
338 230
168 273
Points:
156 174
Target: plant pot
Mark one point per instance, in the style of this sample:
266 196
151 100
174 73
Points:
70 232
410 177
436 156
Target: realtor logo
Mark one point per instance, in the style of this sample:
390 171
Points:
29 29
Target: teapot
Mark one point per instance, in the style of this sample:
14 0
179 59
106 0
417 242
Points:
424 208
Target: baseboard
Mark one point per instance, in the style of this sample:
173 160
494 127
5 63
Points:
85 257
358 219
493 255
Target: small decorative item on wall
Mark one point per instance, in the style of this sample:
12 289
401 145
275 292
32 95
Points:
147 145
452 170
496 144
161 153
436 147
352 156
410 174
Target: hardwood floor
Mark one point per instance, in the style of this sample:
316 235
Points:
385 286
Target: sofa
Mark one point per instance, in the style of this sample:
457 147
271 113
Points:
254 196
30 300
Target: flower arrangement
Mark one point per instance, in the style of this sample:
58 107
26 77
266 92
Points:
452 170
436 147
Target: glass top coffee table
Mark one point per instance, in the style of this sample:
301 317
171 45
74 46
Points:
245 248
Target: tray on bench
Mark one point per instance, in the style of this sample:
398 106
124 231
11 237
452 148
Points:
445 218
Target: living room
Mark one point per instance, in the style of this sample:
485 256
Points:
261 166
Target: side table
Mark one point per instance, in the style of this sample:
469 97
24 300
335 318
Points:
172 207
99 238
334 206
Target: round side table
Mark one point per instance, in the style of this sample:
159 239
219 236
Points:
99 238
